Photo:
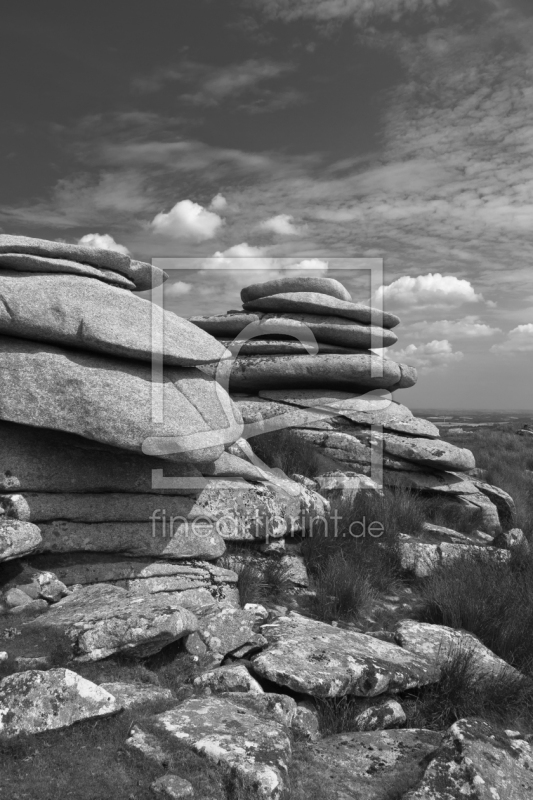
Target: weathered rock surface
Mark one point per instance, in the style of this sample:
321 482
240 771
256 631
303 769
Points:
87 314
318 303
278 707
515 539
254 373
329 330
477 761
327 286
101 620
503 501
225 630
172 787
229 465
360 447
378 715
25 262
372 408
108 399
18 539
438 643
39 460
143 275
136 695
234 678
137 573
248 747
422 558
369 766
261 511
317 659
189 540
34 701
273 346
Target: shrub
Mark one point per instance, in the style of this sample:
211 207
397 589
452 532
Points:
504 698
347 564
493 600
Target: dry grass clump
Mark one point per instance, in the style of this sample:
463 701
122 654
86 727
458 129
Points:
88 761
493 600
502 699
354 554
259 580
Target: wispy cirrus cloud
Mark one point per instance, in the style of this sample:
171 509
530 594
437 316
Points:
210 85
360 11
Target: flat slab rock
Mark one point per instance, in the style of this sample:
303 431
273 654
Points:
132 538
327 286
144 276
87 314
109 400
369 766
253 751
318 303
371 408
476 762
255 373
329 330
438 643
41 460
18 539
317 659
36 701
102 620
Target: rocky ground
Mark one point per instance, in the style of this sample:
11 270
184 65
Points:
255 653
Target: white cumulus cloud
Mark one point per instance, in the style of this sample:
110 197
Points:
240 256
519 340
218 203
427 357
103 241
177 289
187 220
281 224
429 291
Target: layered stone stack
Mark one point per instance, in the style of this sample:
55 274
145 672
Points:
93 485
306 378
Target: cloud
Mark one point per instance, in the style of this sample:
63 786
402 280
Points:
187 220
519 340
177 289
241 256
427 357
467 328
214 84
218 203
281 224
428 291
360 11
103 241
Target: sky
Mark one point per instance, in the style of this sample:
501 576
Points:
236 140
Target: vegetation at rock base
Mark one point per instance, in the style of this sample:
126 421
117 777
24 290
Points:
88 761
493 600
505 698
507 458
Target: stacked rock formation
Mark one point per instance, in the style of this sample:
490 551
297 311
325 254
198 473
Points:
93 484
306 378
